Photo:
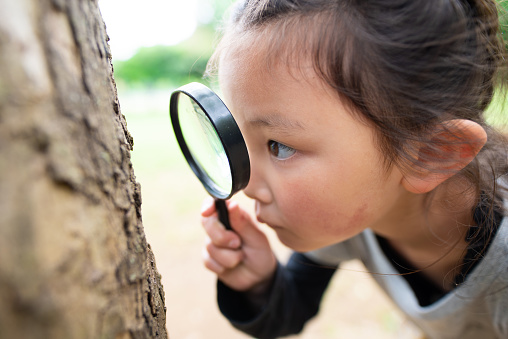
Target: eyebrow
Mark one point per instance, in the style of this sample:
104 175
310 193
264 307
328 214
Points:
277 122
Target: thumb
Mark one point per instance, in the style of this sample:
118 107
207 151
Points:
208 207
244 225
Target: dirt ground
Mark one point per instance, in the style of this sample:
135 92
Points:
353 306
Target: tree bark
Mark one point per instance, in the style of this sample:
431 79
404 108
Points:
74 260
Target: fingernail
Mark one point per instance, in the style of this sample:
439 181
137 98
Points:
207 203
235 243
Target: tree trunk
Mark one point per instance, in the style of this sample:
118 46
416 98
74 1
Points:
74 261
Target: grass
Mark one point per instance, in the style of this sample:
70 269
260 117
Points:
147 115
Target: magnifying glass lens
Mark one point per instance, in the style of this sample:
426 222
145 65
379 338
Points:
211 142
204 145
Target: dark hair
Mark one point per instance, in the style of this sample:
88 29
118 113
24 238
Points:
405 66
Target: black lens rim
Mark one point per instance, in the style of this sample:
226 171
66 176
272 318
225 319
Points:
227 130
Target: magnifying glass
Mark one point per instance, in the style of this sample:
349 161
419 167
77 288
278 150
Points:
211 142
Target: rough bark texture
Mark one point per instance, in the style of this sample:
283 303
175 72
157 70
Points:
74 261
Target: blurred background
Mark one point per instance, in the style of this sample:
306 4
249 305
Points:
157 46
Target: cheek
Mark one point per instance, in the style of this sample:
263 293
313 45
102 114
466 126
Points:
319 208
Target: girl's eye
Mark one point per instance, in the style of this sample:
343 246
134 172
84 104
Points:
280 151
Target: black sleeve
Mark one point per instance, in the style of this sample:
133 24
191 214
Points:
294 298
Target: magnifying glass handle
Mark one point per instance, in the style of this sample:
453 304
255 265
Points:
222 211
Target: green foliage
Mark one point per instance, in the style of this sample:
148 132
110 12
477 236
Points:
186 62
175 65
168 65
503 18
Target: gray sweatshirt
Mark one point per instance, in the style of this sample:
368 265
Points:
478 308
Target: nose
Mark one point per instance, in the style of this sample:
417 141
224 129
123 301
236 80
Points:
258 188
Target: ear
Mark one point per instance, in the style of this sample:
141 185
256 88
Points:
455 144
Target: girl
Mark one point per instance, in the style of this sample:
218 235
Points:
365 129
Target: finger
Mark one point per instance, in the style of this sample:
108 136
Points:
218 235
244 225
208 207
224 257
211 264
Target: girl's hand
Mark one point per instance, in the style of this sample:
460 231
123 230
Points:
243 259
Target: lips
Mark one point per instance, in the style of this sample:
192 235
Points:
257 209
264 221
261 220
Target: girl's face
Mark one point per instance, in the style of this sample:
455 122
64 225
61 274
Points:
316 173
